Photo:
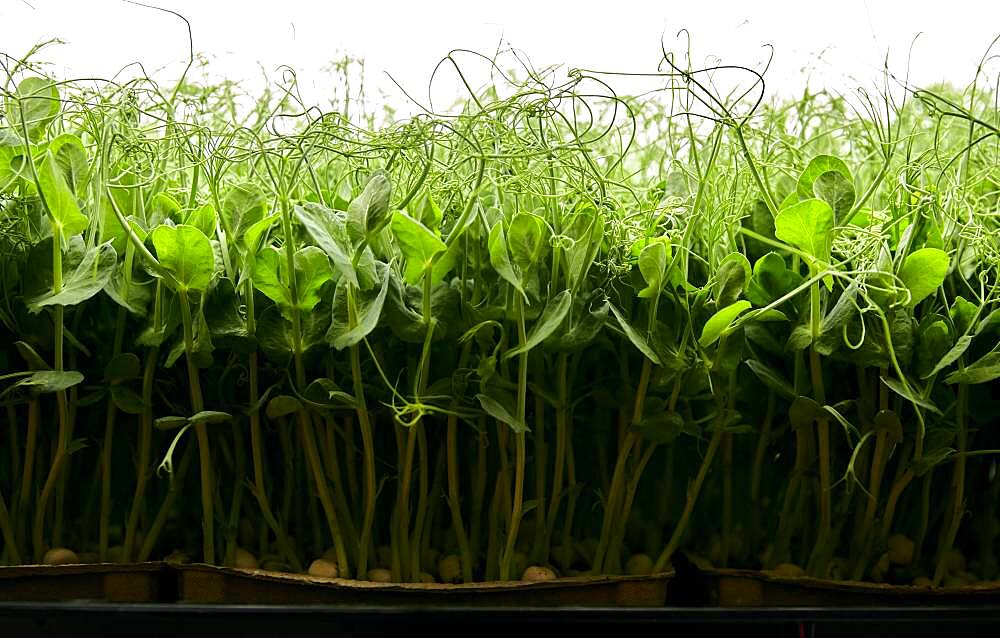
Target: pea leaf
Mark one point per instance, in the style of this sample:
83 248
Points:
64 212
209 417
909 394
30 356
833 322
127 292
250 238
923 272
586 229
653 262
803 412
282 405
187 254
85 272
730 279
243 206
984 370
369 211
527 240
807 226
326 228
45 381
660 426
933 346
718 323
817 167
325 393
161 208
772 378
637 340
424 251
225 318
203 346
552 316
837 191
202 218
170 422
500 257
124 367
501 413
274 335
580 332
71 159
771 280
267 276
341 335
126 399
312 270
962 313
427 211
33 106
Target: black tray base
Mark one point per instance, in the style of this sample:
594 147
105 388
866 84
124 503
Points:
81 619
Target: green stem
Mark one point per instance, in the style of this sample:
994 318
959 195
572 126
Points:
319 480
692 498
822 551
30 451
176 482
786 522
613 562
541 452
339 496
864 541
727 497
7 530
478 491
567 532
239 477
403 501
145 449
559 467
201 431
109 432
892 500
422 491
763 440
954 517
612 509
520 452
257 456
454 500
368 446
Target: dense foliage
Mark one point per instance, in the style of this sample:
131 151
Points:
556 327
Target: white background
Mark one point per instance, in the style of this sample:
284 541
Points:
840 45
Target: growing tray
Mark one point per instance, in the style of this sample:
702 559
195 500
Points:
746 588
154 620
215 585
106 582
